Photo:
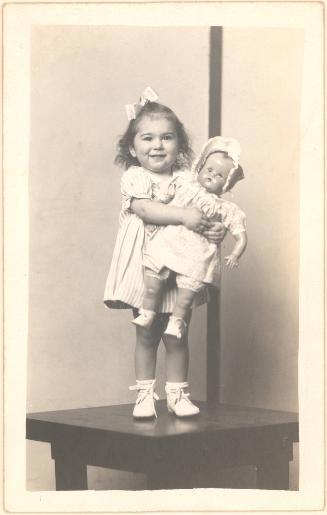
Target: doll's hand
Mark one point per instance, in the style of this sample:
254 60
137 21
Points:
216 233
194 220
231 261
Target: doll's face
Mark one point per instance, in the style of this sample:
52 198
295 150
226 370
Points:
214 172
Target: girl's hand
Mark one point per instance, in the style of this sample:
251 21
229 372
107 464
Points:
231 261
216 233
194 220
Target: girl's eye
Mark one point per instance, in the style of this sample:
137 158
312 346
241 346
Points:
146 138
168 136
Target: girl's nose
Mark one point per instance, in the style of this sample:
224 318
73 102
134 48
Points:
157 143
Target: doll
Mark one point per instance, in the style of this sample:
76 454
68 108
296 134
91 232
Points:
176 249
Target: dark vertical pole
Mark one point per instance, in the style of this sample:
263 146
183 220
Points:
215 71
213 308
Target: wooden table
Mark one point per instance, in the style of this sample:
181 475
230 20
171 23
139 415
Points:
171 452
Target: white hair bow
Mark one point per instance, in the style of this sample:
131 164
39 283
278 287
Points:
148 95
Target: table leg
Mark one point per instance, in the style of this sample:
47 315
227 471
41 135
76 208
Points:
273 472
70 471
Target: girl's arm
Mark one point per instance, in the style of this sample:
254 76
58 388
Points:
240 246
152 212
216 233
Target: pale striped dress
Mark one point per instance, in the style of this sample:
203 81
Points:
125 283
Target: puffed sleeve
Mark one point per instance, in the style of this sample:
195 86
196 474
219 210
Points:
208 204
135 183
234 218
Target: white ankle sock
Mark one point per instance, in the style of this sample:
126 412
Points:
173 386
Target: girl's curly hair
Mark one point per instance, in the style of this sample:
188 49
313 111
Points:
185 154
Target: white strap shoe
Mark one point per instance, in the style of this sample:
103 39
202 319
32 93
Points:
178 401
176 327
145 402
145 318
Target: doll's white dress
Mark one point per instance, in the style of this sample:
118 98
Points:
186 252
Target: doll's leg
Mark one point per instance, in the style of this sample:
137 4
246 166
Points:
187 289
153 288
154 284
184 302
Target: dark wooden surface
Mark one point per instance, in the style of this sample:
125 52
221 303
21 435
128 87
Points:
172 452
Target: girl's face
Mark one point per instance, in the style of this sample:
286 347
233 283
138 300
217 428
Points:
214 172
155 144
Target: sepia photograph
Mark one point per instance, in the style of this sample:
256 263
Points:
161 217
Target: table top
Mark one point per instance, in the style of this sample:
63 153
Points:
118 419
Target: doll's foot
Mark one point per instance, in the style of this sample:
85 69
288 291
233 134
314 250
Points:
145 402
178 401
145 318
176 327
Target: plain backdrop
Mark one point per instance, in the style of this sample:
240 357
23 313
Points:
80 353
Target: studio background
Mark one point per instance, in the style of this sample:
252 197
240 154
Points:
80 353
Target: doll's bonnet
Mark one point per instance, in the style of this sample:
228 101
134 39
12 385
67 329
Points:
231 148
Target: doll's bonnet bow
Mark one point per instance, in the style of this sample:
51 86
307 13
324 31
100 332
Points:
148 95
231 148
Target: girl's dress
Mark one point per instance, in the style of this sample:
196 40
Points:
189 253
125 282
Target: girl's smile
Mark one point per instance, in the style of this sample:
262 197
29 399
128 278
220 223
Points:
156 144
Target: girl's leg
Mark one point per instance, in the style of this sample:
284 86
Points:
177 362
177 355
147 342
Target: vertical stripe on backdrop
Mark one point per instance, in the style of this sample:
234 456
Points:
213 307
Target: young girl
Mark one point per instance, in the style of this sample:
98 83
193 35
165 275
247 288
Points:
192 257
154 149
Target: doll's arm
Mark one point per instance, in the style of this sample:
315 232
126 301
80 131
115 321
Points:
240 246
152 212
